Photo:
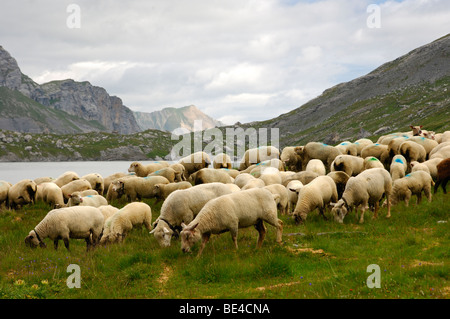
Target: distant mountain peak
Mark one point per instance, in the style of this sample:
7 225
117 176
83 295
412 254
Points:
179 119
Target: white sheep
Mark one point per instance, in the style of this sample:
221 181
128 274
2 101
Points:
97 182
242 179
258 155
412 184
78 185
194 162
290 158
79 222
314 150
65 178
210 175
255 183
377 150
438 148
347 148
315 195
372 162
361 143
51 194
136 188
429 166
107 211
143 170
162 191
179 171
270 176
443 153
167 172
316 166
428 144
124 220
257 169
293 188
282 200
4 188
44 179
231 212
76 199
362 190
22 193
398 167
304 177
351 165
222 160
182 206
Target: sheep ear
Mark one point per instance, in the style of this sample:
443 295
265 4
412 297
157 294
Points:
183 225
332 204
152 231
166 231
69 195
420 126
193 227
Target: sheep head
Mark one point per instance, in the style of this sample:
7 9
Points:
189 236
32 241
339 211
163 235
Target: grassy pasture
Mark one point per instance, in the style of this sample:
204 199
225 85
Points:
319 259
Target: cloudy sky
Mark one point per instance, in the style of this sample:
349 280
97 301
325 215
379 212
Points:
236 60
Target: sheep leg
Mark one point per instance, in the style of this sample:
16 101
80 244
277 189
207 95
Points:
262 232
234 233
419 198
55 243
377 206
361 219
205 239
444 185
66 243
427 192
322 212
88 244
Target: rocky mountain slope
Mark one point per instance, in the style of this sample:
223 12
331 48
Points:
412 89
170 119
78 99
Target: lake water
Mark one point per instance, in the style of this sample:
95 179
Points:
15 171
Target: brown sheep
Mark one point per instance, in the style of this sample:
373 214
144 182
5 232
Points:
443 169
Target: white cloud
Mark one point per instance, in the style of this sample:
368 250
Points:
239 60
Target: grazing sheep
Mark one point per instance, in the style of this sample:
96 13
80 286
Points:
97 182
76 199
167 172
65 178
427 143
107 211
78 222
182 206
78 185
316 166
258 155
340 179
231 212
179 171
107 180
377 150
51 194
124 220
317 194
351 165
372 162
362 190
136 188
412 184
22 193
291 160
394 145
304 177
293 187
443 153
45 179
143 170
222 160
162 191
347 148
243 179
4 188
283 196
429 166
398 167
210 175
438 148
194 162
256 183
313 150
443 175
412 151
360 144
270 176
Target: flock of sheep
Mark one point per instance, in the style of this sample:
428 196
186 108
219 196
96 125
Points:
199 200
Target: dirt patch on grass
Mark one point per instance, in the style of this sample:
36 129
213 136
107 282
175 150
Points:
297 251
164 278
287 284
418 263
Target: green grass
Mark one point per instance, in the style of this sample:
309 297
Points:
328 261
